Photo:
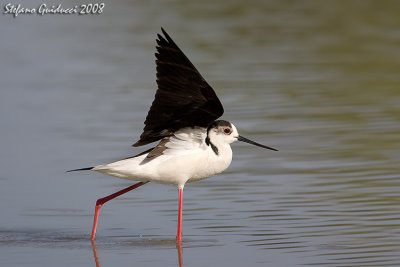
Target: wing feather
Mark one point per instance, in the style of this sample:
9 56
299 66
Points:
183 141
183 99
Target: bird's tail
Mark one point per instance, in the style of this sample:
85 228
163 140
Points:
82 169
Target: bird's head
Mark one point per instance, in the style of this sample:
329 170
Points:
221 131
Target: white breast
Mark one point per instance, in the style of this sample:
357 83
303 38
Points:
212 163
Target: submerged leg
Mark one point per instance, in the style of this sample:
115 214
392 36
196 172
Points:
180 204
103 200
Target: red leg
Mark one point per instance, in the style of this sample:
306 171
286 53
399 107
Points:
103 200
180 204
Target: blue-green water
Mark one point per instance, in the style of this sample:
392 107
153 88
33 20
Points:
318 80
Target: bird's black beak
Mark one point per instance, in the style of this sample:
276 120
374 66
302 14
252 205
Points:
241 138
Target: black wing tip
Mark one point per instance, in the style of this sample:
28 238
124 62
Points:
165 34
165 40
81 169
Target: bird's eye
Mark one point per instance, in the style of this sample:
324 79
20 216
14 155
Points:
227 130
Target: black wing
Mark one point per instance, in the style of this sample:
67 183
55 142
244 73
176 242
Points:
183 98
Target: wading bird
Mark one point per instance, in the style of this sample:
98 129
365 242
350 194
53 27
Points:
192 146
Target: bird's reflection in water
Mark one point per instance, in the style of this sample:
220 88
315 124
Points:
180 253
95 254
98 263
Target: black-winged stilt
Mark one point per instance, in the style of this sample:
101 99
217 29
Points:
192 146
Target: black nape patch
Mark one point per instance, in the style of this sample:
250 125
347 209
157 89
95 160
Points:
213 147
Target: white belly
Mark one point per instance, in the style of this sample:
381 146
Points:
171 168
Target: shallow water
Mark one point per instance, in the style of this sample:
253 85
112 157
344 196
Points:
319 81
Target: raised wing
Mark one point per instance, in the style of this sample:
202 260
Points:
183 98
